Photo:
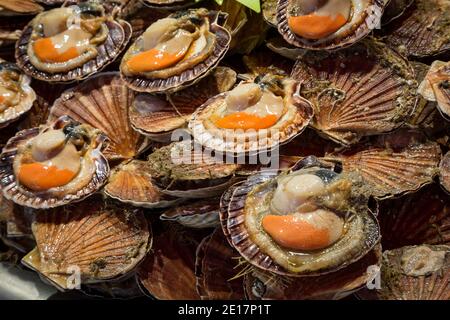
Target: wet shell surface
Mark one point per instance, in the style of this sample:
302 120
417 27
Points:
436 86
444 171
195 72
392 169
414 273
421 217
168 273
261 285
364 90
423 29
13 80
198 214
103 102
157 116
364 17
15 7
102 242
185 170
216 269
247 235
93 173
118 35
131 183
169 4
395 9
296 114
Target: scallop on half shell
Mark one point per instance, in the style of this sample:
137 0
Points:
53 165
16 95
327 24
367 89
176 51
253 117
91 240
308 222
71 43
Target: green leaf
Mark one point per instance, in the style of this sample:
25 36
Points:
252 4
219 2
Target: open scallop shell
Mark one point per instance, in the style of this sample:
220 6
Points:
103 102
118 36
215 269
168 272
421 217
27 95
261 285
102 242
363 26
157 116
367 89
185 170
131 183
54 197
392 169
232 215
198 214
413 273
444 171
422 30
436 87
193 74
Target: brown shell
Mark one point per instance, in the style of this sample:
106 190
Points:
168 273
269 12
155 115
10 31
422 30
439 80
364 28
21 195
170 5
367 89
103 242
198 214
396 284
391 170
215 269
444 171
261 285
421 217
284 49
263 61
131 183
118 37
395 9
102 102
16 7
194 74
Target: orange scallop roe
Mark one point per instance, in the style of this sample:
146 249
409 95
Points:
46 51
313 26
295 234
154 59
2 99
40 177
243 120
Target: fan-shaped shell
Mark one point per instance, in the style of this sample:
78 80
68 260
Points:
367 89
413 273
102 242
363 26
261 285
157 116
119 33
193 74
102 102
215 269
131 183
422 30
391 170
21 195
168 273
198 214
444 170
15 7
421 217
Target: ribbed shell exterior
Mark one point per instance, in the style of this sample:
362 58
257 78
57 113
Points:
215 267
198 214
131 183
116 41
24 7
363 27
367 89
395 9
104 242
422 30
414 219
260 285
444 171
102 102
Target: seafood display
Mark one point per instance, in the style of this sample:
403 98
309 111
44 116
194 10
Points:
227 150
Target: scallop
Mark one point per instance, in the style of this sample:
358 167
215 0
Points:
15 7
195 214
436 87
